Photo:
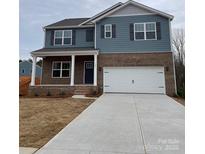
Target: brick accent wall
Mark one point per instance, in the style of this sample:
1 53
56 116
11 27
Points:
47 71
139 59
61 91
112 59
79 70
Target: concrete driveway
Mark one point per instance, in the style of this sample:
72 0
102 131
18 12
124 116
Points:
123 124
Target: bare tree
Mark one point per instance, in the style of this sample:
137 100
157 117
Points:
178 44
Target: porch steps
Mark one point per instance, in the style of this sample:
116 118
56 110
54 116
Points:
80 92
83 97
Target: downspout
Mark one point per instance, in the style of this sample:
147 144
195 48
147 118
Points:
95 35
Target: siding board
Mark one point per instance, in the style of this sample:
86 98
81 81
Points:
122 42
80 39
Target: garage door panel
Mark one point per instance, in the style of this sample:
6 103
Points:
134 79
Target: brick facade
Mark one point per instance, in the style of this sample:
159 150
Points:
79 70
60 91
106 60
139 59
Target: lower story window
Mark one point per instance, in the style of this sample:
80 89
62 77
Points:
61 69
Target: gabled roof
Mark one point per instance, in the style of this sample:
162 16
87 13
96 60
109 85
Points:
103 12
122 5
67 23
88 22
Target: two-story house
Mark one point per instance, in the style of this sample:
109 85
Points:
126 48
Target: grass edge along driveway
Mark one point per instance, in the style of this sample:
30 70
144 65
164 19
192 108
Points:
40 119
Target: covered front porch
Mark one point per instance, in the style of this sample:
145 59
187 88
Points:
68 71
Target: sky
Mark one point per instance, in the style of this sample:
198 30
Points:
35 14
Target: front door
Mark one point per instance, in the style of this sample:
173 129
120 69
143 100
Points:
89 70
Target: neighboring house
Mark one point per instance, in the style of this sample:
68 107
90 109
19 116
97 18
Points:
25 69
126 48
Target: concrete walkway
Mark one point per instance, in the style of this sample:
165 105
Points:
123 124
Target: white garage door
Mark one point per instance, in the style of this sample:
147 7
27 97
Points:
134 79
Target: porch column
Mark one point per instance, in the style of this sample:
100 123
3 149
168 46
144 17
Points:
33 71
95 70
72 70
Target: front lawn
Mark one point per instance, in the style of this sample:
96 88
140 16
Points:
42 118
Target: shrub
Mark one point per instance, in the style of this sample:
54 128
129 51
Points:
181 92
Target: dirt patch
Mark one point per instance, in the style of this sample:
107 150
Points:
42 118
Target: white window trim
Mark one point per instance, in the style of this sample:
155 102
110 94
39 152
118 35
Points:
61 62
152 30
145 37
139 31
108 31
62 43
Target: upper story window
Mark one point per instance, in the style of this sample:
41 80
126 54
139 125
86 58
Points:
145 31
63 37
108 31
61 69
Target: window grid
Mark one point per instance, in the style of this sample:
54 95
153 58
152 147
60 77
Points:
109 31
145 31
60 69
62 37
150 30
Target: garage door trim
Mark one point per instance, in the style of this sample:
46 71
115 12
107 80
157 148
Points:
133 67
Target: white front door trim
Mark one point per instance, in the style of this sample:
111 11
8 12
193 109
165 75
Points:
84 69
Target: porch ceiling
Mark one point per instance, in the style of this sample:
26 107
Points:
64 52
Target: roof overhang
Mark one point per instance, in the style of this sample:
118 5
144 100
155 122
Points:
101 13
63 27
64 53
101 16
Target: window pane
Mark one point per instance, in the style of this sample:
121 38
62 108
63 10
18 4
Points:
66 65
58 33
56 73
89 66
150 27
67 40
108 34
139 35
150 35
67 33
108 28
65 73
139 27
58 41
56 65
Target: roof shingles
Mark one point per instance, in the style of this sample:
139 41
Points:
67 22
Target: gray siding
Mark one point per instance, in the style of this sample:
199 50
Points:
130 9
79 42
25 69
122 42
